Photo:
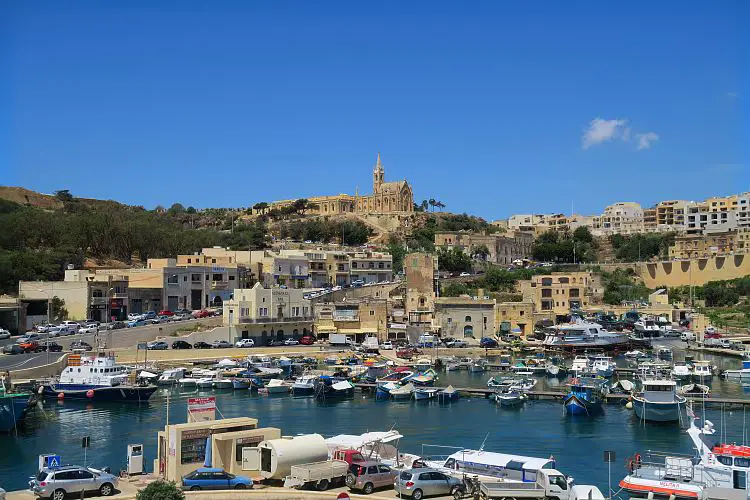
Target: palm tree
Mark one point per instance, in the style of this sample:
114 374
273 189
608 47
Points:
432 203
440 205
424 205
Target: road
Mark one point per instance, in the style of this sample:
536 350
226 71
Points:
30 360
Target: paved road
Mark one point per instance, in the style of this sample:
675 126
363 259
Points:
30 360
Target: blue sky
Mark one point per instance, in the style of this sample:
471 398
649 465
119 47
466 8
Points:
493 108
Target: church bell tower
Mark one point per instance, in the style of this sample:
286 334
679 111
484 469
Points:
378 176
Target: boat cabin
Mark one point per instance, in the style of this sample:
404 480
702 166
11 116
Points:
498 465
659 391
101 370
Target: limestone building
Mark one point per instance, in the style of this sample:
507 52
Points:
387 198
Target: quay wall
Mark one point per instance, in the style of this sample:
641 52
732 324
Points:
49 370
694 271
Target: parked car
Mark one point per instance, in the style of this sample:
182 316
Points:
30 346
209 478
159 320
12 349
245 343
4 334
71 326
291 342
157 345
166 312
136 322
487 342
50 346
464 274
201 314
387 345
181 344
366 476
456 343
60 481
220 344
711 335
134 316
45 328
150 315
80 344
88 329
509 337
116 325
418 483
357 283
28 338
274 343
201 345
307 340
181 317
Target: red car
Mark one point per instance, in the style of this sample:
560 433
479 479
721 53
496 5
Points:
30 346
202 314
307 340
712 335
165 313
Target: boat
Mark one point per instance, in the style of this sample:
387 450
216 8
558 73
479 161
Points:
13 407
695 390
383 390
96 378
581 334
585 396
658 401
205 382
186 382
634 354
223 383
402 392
664 353
646 328
240 383
448 394
523 384
702 370
492 466
331 388
477 366
498 382
276 386
681 371
622 387
425 393
304 385
715 471
554 370
603 366
509 398
331 360
170 377
741 374
425 378
423 364
580 366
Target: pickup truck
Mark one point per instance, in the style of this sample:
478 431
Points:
323 475
550 483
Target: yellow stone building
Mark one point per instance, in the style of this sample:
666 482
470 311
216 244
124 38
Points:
386 198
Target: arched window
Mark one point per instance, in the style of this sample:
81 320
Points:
468 331
468 319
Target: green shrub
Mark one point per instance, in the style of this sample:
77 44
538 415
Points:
160 490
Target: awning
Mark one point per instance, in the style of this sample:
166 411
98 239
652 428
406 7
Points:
355 331
327 329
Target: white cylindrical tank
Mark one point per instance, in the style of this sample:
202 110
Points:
278 455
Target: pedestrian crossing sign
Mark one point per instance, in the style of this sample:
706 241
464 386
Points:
49 461
54 461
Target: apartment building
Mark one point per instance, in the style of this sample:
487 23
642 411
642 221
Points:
670 215
371 267
622 218
503 248
514 317
743 210
465 317
264 314
421 271
357 318
558 293
692 246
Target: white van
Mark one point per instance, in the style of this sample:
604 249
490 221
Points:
687 336
426 340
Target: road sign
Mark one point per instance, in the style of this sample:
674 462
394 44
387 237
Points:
609 456
86 442
53 461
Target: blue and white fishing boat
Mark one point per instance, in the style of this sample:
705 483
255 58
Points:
602 366
585 396
403 392
13 408
97 378
304 385
424 379
330 388
425 393
383 390
743 373
239 383
448 395
658 401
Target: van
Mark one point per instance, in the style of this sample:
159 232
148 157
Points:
426 340
687 336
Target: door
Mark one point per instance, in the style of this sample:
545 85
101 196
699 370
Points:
86 480
439 483
195 299
172 302
265 459
739 478
385 477
251 459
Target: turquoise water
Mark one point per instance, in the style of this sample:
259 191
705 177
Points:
539 428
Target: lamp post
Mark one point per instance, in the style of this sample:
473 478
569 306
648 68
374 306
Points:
48 319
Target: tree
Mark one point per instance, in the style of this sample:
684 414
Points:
457 289
63 195
480 252
583 234
176 209
191 210
424 205
160 490
57 310
432 203
398 251
453 260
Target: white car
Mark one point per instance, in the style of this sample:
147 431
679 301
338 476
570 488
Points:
4 334
291 342
88 329
71 326
387 345
464 274
245 343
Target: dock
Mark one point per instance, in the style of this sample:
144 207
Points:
554 395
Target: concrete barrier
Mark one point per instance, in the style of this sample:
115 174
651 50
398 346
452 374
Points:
49 370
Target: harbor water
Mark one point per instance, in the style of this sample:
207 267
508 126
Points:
537 428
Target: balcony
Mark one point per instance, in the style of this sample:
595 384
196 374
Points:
118 295
269 319
219 284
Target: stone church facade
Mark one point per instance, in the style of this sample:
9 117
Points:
387 198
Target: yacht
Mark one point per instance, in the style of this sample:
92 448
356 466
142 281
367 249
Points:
646 328
96 378
582 334
658 401
492 466
170 377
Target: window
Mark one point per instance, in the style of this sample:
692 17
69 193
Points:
213 261
742 462
84 474
546 281
725 460
218 277
373 469
574 293
384 469
184 278
450 320
372 313
262 311
195 277
172 279
231 277
467 319
547 292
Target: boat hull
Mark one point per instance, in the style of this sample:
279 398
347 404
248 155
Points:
657 412
576 405
13 408
743 374
130 394
444 397
642 487
303 390
240 384
424 395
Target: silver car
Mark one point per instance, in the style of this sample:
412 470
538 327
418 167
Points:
418 483
57 482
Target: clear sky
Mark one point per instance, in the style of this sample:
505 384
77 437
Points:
494 107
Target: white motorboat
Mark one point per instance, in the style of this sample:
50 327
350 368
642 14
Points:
205 382
742 373
477 366
658 401
664 353
423 364
171 376
646 328
509 398
304 385
223 383
581 334
681 370
702 370
695 390
635 354
276 386
603 366
492 466
580 366
187 382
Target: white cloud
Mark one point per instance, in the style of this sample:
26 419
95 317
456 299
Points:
600 131
645 140
733 95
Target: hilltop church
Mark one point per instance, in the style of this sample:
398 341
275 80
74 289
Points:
386 198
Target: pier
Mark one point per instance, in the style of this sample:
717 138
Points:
609 398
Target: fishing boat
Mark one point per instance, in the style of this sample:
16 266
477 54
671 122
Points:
498 382
742 373
96 378
330 388
702 370
423 379
478 366
509 398
170 377
383 390
658 401
634 354
695 390
448 395
681 371
581 334
554 370
304 385
276 386
580 366
13 408
403 392
585 396
603 366
240 383
715 471
664 353
622 387
523 384
646 328
504 363
425 393
423 364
